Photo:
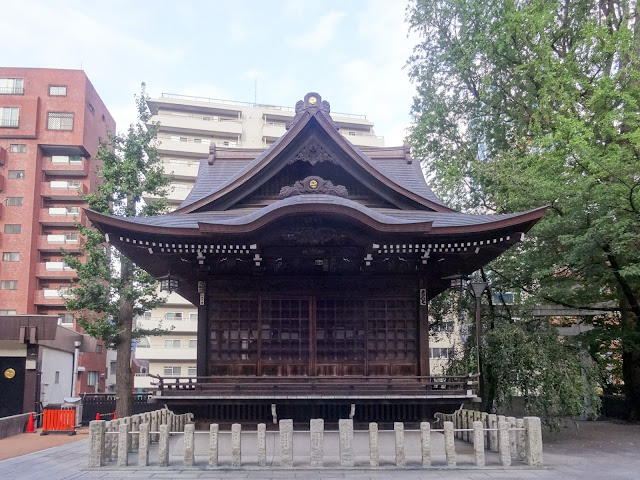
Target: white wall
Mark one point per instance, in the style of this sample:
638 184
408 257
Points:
55 361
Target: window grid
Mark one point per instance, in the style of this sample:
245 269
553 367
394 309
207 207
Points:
14 201
9 285
340 329
60 121
235 330
58 90
16 174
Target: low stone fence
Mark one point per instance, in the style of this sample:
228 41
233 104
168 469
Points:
513 438
115 439
110 443
13 425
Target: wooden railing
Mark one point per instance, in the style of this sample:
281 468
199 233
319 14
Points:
318 385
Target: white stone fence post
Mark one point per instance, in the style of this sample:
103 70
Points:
515 439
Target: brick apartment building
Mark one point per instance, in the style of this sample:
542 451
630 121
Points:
50 124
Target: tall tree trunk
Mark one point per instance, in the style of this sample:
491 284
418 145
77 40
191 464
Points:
124 375
630 360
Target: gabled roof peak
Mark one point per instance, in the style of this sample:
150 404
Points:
313 104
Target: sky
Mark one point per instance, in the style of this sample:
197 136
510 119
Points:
351 52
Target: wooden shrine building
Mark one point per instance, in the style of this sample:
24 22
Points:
312 264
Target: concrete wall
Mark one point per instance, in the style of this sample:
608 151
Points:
10 426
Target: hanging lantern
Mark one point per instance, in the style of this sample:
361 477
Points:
457 283
169 283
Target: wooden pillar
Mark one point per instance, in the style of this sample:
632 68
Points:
202 366
423 328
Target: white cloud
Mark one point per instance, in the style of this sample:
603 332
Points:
320 35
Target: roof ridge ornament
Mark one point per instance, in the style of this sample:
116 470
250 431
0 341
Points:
312 103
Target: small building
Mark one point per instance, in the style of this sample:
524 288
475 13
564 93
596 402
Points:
37 361
312 264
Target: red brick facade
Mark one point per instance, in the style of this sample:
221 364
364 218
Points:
48 156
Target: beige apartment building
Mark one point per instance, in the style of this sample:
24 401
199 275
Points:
188 126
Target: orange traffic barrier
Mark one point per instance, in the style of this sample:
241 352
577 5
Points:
30 428
59 421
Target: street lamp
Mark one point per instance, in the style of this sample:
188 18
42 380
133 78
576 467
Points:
476 289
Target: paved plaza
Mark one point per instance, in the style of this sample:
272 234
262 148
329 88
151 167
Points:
582 450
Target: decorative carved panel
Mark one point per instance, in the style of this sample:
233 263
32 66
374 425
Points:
314 184
313 154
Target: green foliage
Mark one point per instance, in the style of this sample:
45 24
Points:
107 281
535 102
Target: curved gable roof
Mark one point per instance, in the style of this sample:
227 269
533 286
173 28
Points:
221 183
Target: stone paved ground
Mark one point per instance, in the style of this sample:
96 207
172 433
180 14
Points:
584 451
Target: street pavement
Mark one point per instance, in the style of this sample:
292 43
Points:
579 450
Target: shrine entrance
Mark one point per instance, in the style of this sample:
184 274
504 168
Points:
313 335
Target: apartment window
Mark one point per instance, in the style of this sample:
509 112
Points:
91 108
112 368
60 121
57 90
7 312
173 316
70 237
57 378
197 140
12 228
11 86
92 379
172 343
440 352
10 256
9 285
14 201
16 174
193 316
172 371
65 318
442 327
18 148
98 349
193 343
230 143
9 116
73 210
192 371
184 139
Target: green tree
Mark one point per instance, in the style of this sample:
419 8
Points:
110 289
535 102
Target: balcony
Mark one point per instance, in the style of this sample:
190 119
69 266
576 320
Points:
162 353
61 217
54 271
194 123
63 190
66 165
180 168
167 145
175 326
53 243
53 298
273 131
362 139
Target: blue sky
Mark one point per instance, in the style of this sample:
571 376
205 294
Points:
352 52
